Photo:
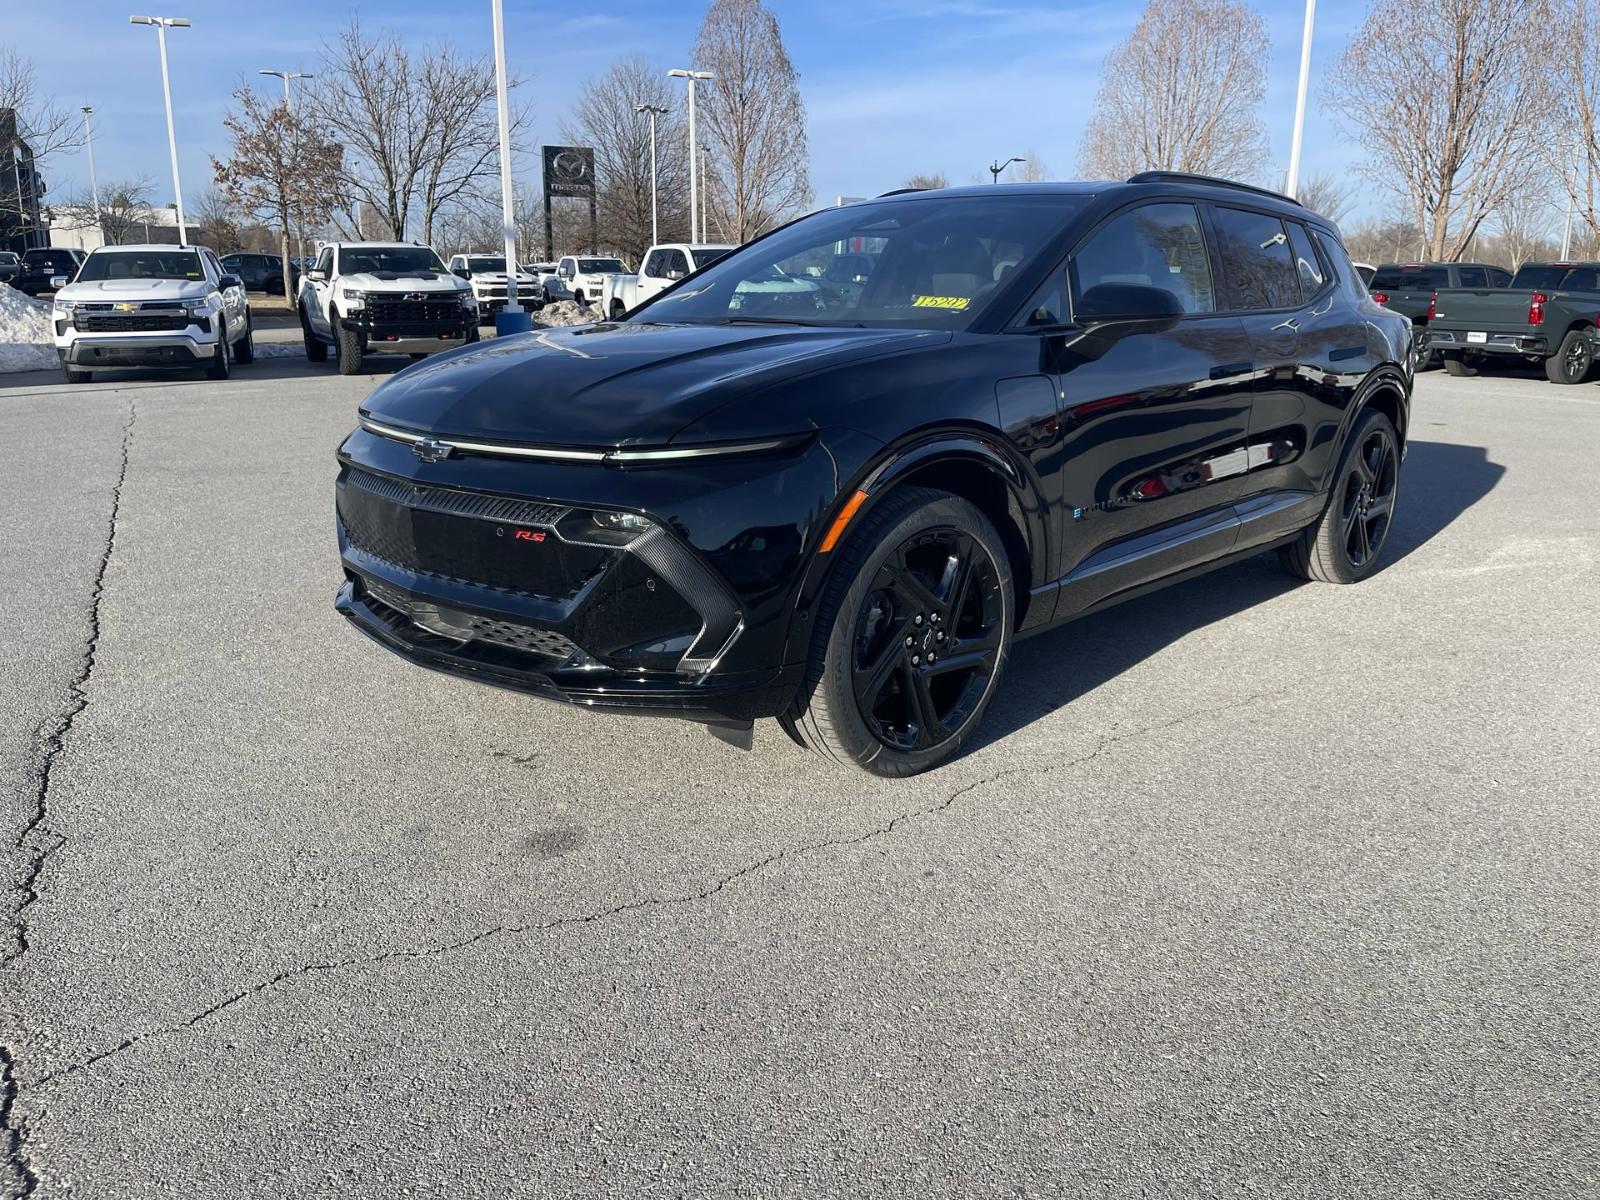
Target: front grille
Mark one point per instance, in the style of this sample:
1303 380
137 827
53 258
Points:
140 322
497 292
383 309
466 537
546 643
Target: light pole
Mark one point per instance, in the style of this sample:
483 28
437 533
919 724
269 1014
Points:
510 319
286 76
162 24
997 166
1293 180
705 191
694 180
654 111
94 187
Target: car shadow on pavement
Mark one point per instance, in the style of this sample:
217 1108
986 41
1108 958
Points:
1439 482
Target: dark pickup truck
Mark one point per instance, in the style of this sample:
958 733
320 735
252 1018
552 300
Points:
1547 316
1408 288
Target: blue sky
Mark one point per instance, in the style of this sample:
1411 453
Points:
891 86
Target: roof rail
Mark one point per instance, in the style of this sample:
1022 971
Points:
1208 180
900 192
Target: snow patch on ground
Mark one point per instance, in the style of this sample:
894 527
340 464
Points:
564 313
280 350
25 341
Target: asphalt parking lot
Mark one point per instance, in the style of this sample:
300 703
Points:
1251 888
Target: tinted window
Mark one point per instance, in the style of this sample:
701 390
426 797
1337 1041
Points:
1581 279
652 264
1258 268
1156 245
1472 277
934 261
141 264
1410 279
325 260
676 260
1498 278
587 266
487 262
1306 262
1551 277
707 255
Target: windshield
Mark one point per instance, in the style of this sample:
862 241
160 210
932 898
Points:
928 263
706 255
484 262
141 264
588 266
8 257
1409 279
389 260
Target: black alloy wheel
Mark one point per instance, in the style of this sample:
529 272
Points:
1572 361
1346 542
912 635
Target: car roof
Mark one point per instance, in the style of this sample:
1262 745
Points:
143 247
1151 184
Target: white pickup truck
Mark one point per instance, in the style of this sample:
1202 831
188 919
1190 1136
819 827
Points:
363 298
578 277
621 293
486 273
151 306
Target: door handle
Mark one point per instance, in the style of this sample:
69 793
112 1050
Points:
1229 370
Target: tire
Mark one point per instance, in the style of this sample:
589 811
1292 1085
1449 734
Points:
1345 544
419 354
221 366
577 298
74 375
1573 361
617 311
1454 365
925 568
245 352
316 348
348 347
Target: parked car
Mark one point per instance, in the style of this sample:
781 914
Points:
579 277
1366 271
152 306
10 265
663 266
1047 398
1546 317
486 275
1408 288
42 266
382 297
260 272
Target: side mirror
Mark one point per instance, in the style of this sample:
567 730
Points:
463 273
317 275
1139 303
57 282
675 273
229 281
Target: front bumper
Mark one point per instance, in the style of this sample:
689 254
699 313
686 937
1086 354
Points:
1534 344
107 351
413 336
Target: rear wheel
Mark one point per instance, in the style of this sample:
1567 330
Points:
1571 363
316 348
348 346
1455 365
1346 542
911 638
617 310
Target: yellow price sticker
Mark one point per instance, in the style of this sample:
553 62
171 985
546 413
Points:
954 303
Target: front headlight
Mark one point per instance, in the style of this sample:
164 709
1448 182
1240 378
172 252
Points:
595 527
355 294
65 307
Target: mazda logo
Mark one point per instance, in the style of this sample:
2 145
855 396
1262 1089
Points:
431 450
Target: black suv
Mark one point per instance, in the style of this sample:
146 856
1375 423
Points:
41 265
259 272
767 493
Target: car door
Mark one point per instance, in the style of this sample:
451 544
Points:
1311 349
319 286
232 296
1154 414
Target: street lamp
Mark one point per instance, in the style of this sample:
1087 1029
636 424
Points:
654 111
996 167
694 176
286 76
162 24
705 191
1292 180
94 187
510 319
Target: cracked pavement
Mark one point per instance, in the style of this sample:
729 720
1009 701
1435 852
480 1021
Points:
1250 888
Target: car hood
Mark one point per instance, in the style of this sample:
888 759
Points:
387 282
136 289
611 385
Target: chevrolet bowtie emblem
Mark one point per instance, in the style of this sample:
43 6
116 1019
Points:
431 450
127 307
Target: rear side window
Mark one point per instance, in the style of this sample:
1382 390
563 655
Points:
1306 260
1155 245
1581 279
1258 267
1410 279
1498 278
1473 277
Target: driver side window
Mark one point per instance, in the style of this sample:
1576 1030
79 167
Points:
325 260
1154 245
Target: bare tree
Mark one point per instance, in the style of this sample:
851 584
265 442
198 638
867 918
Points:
1449 99
753 118
418 133
1325 195
125 210
1573 151
1524 230
214 221
1183 93
606 117
282 171
928 180
33 118
1384 240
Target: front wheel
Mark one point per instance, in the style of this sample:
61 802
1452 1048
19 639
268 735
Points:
221 365
912 635
73 375
316 348
1344 545
1571 363
348 347
245 351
